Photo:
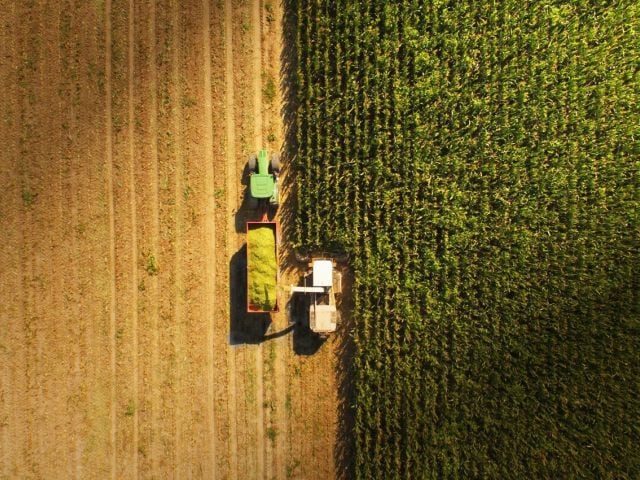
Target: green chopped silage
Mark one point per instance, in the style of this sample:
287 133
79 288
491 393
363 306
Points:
262 267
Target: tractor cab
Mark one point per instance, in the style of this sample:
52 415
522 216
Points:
263 179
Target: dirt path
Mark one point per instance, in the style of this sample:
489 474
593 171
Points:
126 350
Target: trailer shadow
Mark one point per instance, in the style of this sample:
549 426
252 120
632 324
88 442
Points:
245 328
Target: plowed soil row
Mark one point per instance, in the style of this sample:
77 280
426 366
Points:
125 349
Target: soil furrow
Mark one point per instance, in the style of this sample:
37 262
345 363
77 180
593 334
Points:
146 194
33 278
194 349
209 239
175 94
225 447
71 149
93 236
55 359
134 238
12 356
165 264
231 242
124 200
112 243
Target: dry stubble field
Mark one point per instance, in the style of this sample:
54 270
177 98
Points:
124 349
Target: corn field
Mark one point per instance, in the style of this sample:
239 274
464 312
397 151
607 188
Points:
480 162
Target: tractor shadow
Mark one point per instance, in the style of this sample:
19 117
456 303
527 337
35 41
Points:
246 212
245 328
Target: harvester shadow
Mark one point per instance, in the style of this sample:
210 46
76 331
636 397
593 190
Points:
305 341
245 328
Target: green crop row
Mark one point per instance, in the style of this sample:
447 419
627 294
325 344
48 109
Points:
480 160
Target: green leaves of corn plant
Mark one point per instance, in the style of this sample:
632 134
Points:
480 161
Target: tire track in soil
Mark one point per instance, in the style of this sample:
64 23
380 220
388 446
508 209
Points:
166 52
175 92
225 446
146 205
134 235
149 208
195 418
231 242
75 117
33 279
155 249
210 235
112 246
12 309
248 357
68 180
91 235
294 465
125 260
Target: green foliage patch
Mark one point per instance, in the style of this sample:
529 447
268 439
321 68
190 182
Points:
480 161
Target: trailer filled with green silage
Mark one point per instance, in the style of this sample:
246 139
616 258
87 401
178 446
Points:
262 267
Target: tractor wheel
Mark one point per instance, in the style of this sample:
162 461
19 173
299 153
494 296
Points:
275 163
253 160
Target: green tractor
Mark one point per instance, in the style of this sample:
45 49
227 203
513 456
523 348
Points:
263 179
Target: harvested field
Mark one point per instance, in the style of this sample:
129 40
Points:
125 351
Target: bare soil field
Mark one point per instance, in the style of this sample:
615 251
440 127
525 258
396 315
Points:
125 349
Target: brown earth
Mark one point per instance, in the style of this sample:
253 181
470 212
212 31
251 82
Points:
125 350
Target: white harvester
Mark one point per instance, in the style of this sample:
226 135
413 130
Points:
321 282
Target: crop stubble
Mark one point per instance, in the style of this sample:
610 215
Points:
126 128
